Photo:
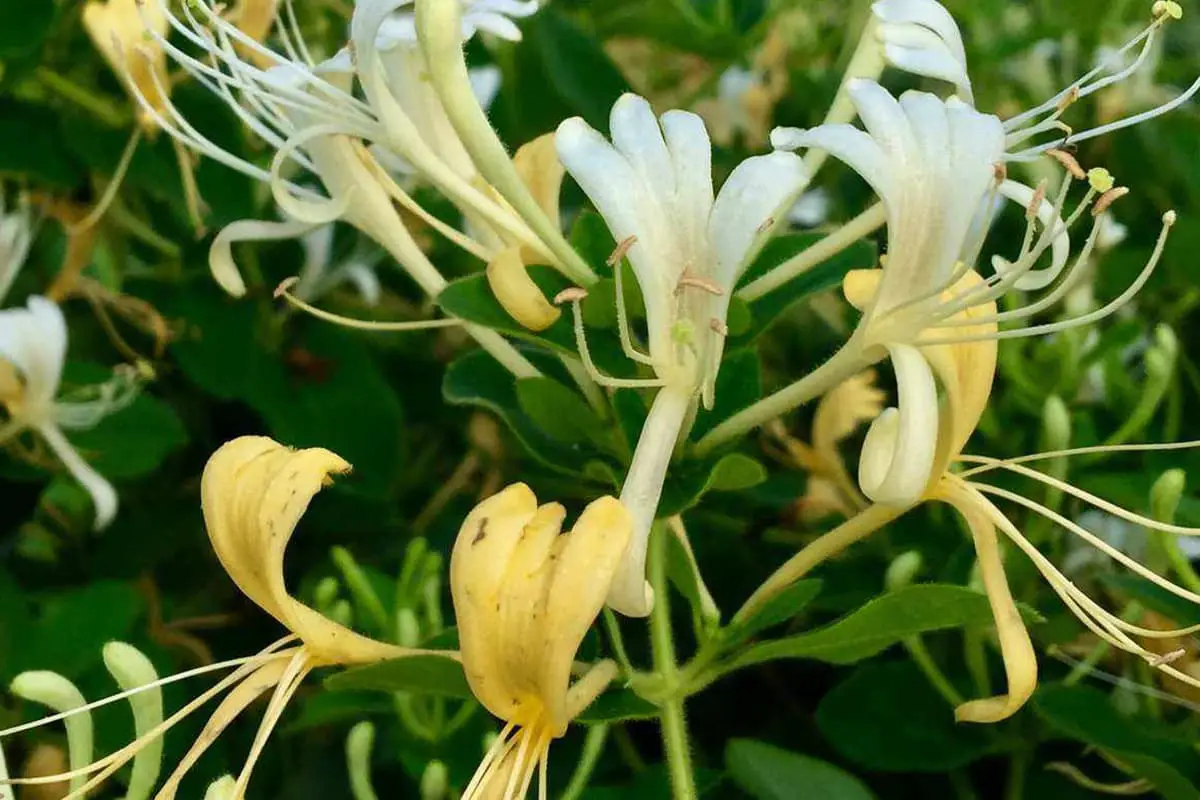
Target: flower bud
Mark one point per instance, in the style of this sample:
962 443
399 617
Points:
435 781
326 593
1056 424
1166 494
903 570
408 629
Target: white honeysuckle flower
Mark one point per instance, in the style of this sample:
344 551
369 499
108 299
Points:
16 237
653 186
479 16
936 166
320 275
33 343
920 36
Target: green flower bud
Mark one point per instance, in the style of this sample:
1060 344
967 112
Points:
1056 424
1166 494
435 782
903 570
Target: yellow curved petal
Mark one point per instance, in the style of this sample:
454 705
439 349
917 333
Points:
517 292
538 166
525 597
584 563
478 564
254 492
1016 649
119 31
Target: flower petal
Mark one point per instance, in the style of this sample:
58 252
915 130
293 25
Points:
34 340
220 254
104 496
898 452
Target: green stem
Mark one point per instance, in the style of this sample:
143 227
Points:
845 363
86 99
1018 767
1179 561
924 661
593 746
613 626
674 726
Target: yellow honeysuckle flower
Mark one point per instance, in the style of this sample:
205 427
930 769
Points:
255 18
121 31
524 597
253 492
537 164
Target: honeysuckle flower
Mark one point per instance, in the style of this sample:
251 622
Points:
653 186
935 164
33 348
254 492
120 30
811 210
16 237
920 36
524 598
319 275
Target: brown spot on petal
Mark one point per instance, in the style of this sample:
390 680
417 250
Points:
480 534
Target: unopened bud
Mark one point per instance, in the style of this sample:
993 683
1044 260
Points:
1056 424
903 570
359 742
222 788
341 613
1166 494
326 593
408 629
1166 341
435 781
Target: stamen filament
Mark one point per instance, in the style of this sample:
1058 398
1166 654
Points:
284 291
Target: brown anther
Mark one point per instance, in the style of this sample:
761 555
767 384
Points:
285 286
1000 171
698 282
718 327
1069 162
766 225
1039 197
621 251
572 294
1108 198
1166 658
1069 99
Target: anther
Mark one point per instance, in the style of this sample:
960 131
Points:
766 225
698 282
621 250
718 327
1108 198
285 286
572 294
1166 658
1068 99
1000 172
1035 203
1069 162
1169 218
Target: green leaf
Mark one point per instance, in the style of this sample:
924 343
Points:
134 441
617 705
879 624
426 674
688 482
476 379
576 66
769 307
560 412
771 773
780 608
337 708
23 26
1171 783
30 146
888 717
75 626
684 574
1087 715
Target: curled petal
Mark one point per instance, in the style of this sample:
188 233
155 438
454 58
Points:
898 453
220 254
1060 248
254 492
104 496
517 292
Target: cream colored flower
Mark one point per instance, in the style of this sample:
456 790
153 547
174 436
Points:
525 595
122 31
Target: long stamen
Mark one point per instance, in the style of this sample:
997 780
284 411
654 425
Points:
1110 551
494 756
994 464
289 682
1084 319
573 296
284 290
615 261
